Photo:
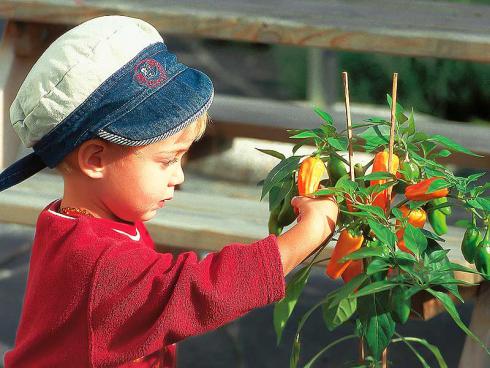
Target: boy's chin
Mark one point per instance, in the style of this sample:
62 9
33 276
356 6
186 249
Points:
147 216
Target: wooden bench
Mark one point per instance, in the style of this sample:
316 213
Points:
415 28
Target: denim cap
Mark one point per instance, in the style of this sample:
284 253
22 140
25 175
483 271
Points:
111 77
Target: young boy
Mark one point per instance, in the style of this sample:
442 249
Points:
114 111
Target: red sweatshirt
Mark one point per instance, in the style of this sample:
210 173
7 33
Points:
99 295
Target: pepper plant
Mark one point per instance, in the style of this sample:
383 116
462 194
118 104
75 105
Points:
383 252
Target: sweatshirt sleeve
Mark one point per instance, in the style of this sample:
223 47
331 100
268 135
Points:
142 300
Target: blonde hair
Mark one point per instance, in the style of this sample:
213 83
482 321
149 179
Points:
200 125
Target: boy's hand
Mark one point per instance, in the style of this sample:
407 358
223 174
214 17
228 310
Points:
320 214
315 223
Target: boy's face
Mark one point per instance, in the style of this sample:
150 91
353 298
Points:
140 179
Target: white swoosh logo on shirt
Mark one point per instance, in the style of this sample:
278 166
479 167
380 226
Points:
132 237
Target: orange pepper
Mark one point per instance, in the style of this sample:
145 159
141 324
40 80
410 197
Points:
354 269
346 244
310 173
418 192
416 217
381 164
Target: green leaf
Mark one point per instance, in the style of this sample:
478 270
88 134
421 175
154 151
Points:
305 134
449 143
443 153
431 235
293 361
427 147
402 258
364 253
345 290
326 191
279 172
385 235
378 175
451 309
411 125
474 177
437 184
272 153
397 213
377 188
414 239
346 184
400 117
324 115
375 137
376 287
418 137
438 255
451 266
336 314
484 202
377 325
297 146
377 265
340 143
284 307
279 192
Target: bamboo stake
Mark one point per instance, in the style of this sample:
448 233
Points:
392 129
345 79
384 357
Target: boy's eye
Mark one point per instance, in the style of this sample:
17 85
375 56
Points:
168 163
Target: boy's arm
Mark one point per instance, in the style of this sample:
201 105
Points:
300 241
143 300
316 223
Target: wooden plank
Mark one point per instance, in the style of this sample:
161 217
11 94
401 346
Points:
473 355
414 28
269 119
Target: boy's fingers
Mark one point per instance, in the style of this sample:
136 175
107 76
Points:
294 203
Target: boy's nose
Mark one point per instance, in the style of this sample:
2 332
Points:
178 176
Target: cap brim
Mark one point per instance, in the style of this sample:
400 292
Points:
170 109
21 170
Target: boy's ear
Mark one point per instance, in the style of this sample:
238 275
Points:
93 157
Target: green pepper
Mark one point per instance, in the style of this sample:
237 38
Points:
274 227
438 201
399 305
336 169
482 256
286 215
437 220
359 172
471 239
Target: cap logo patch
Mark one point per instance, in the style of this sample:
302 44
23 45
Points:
150 73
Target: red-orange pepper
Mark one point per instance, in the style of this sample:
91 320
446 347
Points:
418 192
381 164
416 217
310 173
347 243
354 269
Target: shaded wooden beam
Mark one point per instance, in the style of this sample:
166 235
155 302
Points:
412 28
